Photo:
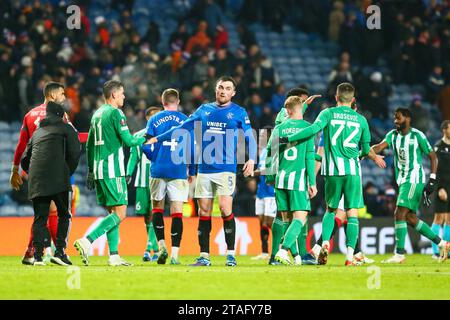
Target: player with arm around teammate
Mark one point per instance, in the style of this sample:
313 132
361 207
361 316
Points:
344 131
295 182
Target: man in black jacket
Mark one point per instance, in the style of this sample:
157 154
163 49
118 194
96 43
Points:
51 158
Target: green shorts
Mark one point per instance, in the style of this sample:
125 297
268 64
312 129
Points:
143 202
111 192
409 195
348 186
292 200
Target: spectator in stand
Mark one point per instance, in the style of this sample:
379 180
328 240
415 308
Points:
193 99
337 18
374 96
405 62
221 39
213 16
371 199
179 37
388 202
350 37
338 76
246 36
119 37
201 69
422 56
420 118
435 84
255 107
199 42
278 98
223 62
25 86
153 36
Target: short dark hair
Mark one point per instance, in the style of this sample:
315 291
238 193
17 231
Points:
170 96
110 86
297 92
226 78
404 112
445 124
50 87
152 110
346 92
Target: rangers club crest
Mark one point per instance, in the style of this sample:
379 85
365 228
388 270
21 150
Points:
230 115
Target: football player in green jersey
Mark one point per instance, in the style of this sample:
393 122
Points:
409 145
295 182
344 131
282 220
104 150
142 183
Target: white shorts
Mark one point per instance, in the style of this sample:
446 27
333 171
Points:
176 189
210 184
266 207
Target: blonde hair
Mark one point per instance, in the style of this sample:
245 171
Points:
170 96
293 101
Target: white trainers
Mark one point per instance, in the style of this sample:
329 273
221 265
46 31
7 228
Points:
282 256
396 258
83 247
262 256
362 258
115 260
297 260
315 251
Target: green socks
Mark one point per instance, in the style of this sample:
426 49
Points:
352 231
301 240
327 226
425 230
104 226
401 229
113 240
152 243
290 238
277 234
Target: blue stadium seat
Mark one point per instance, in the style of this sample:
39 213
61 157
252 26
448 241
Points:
4 126
8 210
25 211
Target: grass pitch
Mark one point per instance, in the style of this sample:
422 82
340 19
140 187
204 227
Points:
419 278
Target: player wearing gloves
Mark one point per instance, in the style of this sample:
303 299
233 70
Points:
409 145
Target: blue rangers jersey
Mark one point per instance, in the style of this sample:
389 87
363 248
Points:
218 128
169 158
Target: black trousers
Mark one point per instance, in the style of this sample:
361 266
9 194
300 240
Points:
41 236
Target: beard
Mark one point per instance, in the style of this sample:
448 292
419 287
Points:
401 126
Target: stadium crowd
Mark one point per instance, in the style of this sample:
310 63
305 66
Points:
36 46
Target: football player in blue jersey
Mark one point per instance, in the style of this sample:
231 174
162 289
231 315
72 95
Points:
219 123
169 172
